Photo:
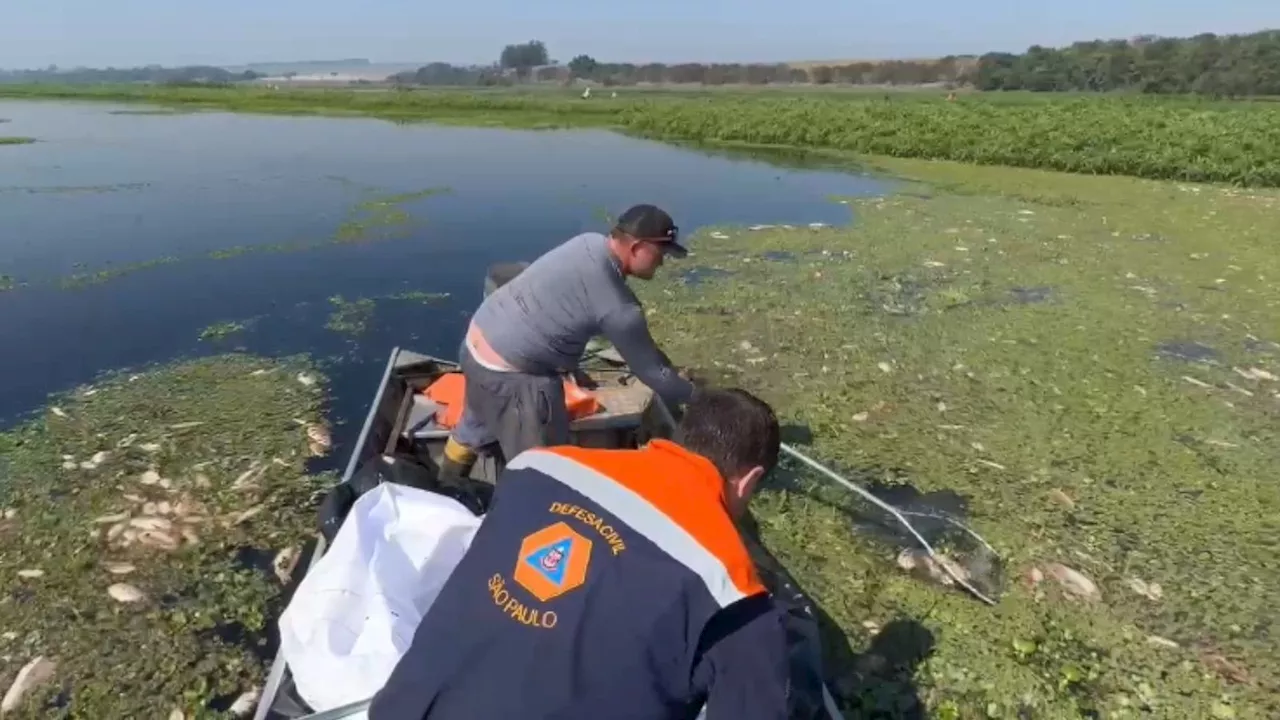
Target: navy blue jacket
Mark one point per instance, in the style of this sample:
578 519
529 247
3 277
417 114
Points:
602 584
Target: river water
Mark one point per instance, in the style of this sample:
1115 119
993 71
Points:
124 236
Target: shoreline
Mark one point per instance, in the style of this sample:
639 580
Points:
1078 134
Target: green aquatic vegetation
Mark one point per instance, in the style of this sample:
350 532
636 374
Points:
13 140
8 282
381 218
238 250
1005 334
212 450
97 277
150 111
220 330
426 298
350 316
74 189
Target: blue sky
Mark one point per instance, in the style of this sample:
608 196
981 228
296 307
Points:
36 33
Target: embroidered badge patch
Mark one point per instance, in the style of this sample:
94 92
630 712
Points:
552 561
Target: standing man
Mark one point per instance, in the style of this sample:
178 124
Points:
610 584
529 332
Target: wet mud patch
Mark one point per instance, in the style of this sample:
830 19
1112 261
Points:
1187 351
1251 344
701 274
135 515
1032 295
778 256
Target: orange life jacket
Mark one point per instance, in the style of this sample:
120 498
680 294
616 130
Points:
450 389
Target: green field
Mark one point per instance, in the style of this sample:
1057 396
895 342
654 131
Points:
1165 138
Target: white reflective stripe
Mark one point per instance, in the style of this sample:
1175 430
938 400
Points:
480 361
640 514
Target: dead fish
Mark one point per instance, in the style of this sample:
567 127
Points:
284 562
150 447
245 703
151 523
1062 499
69 465
35 673
316 449
243 516
93 462
306 379
157 538
163 507
919 562
107 519
1073 582
127 440
9 513
165 483
1151 591
319 435
1254 373
190 536
115 531
30 574
202 480
248 478
177 714
186 425
150 477
119 568
133 498
128 536
149 508
58 411
125 593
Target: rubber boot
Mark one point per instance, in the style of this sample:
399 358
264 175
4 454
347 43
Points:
456 464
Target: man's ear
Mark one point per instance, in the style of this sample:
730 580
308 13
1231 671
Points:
746 485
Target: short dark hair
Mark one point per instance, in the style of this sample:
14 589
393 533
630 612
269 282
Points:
732 428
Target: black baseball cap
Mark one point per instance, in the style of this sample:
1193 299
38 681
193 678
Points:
652 223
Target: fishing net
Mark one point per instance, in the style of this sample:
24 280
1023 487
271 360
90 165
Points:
926 530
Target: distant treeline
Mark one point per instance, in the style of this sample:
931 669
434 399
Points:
1218 65
191 75
895 72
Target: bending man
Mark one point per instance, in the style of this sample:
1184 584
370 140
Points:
610 583
536 327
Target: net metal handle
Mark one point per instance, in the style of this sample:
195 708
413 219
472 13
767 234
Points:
892 511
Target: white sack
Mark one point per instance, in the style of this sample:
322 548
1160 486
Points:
354 614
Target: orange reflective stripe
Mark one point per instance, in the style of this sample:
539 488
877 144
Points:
662 482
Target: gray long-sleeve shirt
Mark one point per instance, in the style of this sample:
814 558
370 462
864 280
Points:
540 322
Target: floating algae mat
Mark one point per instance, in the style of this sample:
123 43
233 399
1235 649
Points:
125 509
1104 441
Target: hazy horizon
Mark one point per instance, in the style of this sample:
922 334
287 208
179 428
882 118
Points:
70 33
